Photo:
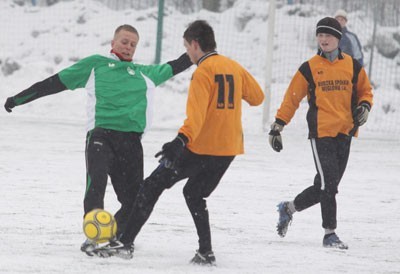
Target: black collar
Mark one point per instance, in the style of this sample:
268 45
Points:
208 54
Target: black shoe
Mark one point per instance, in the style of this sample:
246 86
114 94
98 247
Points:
88 247
115 248
206 258
333 241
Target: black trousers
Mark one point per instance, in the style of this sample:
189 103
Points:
203 172
330 157
118 155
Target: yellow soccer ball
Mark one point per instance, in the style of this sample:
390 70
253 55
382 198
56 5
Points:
99 225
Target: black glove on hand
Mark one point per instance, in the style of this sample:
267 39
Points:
361 113
10 104
172 151
275 139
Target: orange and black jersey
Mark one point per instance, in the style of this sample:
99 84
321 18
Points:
333 89
214 108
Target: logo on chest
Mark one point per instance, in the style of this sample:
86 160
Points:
130 71
334 85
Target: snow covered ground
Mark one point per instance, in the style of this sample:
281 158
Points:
42 168
42 171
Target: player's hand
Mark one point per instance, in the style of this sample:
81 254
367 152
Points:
10 104
172 151
275 138
361 113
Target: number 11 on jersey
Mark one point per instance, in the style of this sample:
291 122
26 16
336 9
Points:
220 79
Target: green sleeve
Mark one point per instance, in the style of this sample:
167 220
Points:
77 75
157 73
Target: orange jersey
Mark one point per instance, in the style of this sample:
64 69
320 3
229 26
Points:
333 89
214 107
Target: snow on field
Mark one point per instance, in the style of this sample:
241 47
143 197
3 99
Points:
42 168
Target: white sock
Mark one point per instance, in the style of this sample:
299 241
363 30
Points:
329 231
291 207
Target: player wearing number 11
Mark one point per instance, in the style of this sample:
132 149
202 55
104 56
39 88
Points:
208 141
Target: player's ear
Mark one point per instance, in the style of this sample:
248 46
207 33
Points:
196 44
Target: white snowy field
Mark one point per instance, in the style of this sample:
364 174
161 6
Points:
42 167
42 170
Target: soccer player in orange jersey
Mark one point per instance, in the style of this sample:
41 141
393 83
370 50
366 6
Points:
207 143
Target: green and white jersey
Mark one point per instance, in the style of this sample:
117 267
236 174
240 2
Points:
120 94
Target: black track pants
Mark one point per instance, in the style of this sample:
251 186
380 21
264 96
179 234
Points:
203 173
118 155
330 157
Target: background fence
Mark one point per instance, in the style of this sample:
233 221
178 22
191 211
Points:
242 33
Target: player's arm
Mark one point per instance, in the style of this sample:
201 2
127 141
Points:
46 87
180 64
196 111
364 98
197 105
364 89
296 91
158 74
75 76
252 92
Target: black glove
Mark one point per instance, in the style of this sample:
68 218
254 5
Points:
172 151
10 104
361 113
275 139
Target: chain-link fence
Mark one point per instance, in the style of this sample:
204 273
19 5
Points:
241 28
376 24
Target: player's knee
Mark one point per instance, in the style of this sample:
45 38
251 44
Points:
330 191
191 197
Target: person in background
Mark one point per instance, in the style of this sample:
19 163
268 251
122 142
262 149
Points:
349 43
205 146
118 108
340 98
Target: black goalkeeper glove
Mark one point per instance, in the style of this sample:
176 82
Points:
275 139
10 104
172 151
361 113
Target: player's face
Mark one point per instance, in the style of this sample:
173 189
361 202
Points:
124 43
192 50
327 42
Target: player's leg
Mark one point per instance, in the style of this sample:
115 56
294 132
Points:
199 187
98 157
326 153
126 173
342 145
307 198
149 192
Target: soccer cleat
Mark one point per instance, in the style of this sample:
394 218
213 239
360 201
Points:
88 247
333 241
285 218
115 248
206 258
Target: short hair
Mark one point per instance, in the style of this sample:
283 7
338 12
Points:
127 28
201 32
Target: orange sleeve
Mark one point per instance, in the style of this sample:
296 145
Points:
364 89
197 105
296 91
252 92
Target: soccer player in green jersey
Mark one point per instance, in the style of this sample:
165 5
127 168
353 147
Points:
118 109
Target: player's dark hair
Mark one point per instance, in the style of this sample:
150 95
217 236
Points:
201 32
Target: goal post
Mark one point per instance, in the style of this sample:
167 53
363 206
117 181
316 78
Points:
268 62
